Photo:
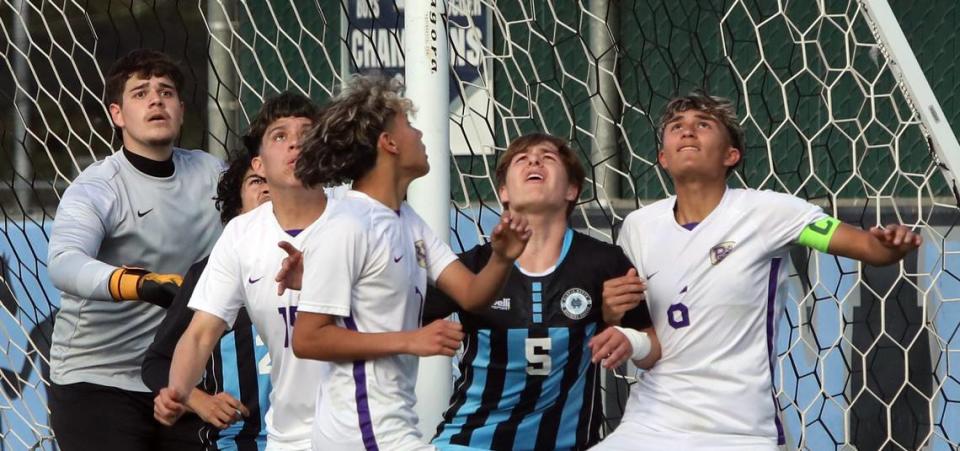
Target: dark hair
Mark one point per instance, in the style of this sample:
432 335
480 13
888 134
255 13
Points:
143 63
228 199
285 104
719 107
342 146
568 157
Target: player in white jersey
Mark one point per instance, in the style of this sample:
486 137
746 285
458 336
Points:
365 279
240 274
125 230
714 258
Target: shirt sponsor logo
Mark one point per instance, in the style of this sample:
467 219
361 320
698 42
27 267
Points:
721 251
421 253
576 303
501 304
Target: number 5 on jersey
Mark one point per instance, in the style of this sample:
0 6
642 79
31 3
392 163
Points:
538 356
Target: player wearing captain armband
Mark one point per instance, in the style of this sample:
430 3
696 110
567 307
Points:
528 379
239 275
125 230
365 278
714 260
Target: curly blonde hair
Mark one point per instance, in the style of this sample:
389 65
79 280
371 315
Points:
342 146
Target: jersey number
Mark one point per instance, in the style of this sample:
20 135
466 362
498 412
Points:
678 315
289 317
538 356
263 365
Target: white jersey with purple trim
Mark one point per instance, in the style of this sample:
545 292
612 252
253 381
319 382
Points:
712 295
370 269
240 273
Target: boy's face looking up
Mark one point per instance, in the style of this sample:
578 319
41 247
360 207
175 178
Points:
279 150
408 143
150 112
537 181
696 144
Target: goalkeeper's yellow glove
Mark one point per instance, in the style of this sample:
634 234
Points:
140 284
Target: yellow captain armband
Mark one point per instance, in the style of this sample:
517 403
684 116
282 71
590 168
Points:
818 234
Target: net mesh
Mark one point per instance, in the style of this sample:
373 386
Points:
863 354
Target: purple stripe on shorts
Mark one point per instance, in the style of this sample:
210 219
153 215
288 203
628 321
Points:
363 405
771 308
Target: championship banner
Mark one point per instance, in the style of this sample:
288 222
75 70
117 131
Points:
373 33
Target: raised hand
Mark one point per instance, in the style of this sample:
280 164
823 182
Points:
440 337
898 238
510 236
622 294
167 407
291 270
220 410
611 347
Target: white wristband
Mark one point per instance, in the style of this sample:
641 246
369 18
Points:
639 341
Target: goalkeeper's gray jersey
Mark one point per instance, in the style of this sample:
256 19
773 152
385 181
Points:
114 215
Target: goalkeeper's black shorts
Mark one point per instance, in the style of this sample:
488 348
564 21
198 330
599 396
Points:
96 417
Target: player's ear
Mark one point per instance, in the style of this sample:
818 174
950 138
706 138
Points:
386 142
116 116
661 159
257 165
732 157
504 197
573 192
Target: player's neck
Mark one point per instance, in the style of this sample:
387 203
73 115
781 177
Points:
297 208
546 243
156 153
696 200
385 185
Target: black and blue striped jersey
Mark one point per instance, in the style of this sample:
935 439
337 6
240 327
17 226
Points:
239 366
526 381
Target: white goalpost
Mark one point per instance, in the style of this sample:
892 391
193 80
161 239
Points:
427 72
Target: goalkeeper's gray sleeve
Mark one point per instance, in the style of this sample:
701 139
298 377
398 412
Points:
78 231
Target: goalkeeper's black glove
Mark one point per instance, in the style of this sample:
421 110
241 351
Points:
139 284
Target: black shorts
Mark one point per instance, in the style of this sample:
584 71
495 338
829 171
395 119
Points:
96 417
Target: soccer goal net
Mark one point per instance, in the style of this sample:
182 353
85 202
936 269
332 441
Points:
834 106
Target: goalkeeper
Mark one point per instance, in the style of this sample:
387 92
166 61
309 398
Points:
124 231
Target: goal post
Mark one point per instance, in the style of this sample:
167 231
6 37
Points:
426 80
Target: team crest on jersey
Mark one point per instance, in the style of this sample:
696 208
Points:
421 253
721 251
576 303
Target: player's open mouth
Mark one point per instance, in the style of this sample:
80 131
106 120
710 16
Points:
534 176
159 117
688 148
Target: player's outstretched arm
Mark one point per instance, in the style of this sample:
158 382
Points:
622 294
476 291
876 247
317 336
191 355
